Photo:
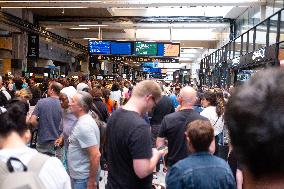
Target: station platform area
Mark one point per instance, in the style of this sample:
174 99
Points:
193 85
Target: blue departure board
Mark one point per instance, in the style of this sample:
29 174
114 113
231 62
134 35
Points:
150 64
121 48
145 69
99 47
161 49
155 70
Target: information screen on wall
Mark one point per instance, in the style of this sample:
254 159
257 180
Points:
121 48
147 49
171 49
99 47
161 49
168 49
151 70
155 70
145 69
150 64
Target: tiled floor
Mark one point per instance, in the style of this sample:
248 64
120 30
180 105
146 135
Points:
160 179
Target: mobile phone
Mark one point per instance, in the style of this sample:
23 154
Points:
162 147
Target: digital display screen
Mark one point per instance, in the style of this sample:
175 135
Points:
155 70
146 69
156 75
161 49
121 48
171 49
99 47
147 49
150 64
151 70
168 49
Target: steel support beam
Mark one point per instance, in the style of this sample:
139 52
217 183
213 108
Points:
131 3
160 19
29 27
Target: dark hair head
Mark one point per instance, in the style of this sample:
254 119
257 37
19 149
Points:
13 120
106 94
254 115
18 84
115 87
201 134
56 87
210 97
220 109
96 93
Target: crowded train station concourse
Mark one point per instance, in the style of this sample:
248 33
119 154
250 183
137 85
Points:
141 94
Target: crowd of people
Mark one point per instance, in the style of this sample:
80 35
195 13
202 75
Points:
61 133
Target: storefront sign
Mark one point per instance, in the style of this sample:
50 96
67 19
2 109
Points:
33 46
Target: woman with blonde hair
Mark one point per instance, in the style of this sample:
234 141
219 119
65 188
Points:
24 95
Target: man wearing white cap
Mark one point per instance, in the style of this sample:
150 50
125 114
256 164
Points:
68 121
82 86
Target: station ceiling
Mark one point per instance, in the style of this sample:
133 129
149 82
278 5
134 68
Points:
196 24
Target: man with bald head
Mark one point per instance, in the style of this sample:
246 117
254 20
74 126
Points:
46 117
174 125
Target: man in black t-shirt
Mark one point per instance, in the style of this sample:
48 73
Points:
174 125
131 159
163 108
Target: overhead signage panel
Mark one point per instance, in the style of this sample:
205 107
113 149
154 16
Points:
99 47
146 49
121 48
137 59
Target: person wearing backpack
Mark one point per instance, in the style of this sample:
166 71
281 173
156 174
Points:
21 166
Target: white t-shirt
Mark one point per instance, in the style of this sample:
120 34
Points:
115 95
52 173
217 123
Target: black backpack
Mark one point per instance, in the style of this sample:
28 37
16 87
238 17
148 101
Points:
103 139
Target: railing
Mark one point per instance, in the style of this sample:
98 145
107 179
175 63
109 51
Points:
267 33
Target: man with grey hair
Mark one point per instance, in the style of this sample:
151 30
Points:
83 151
174 125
